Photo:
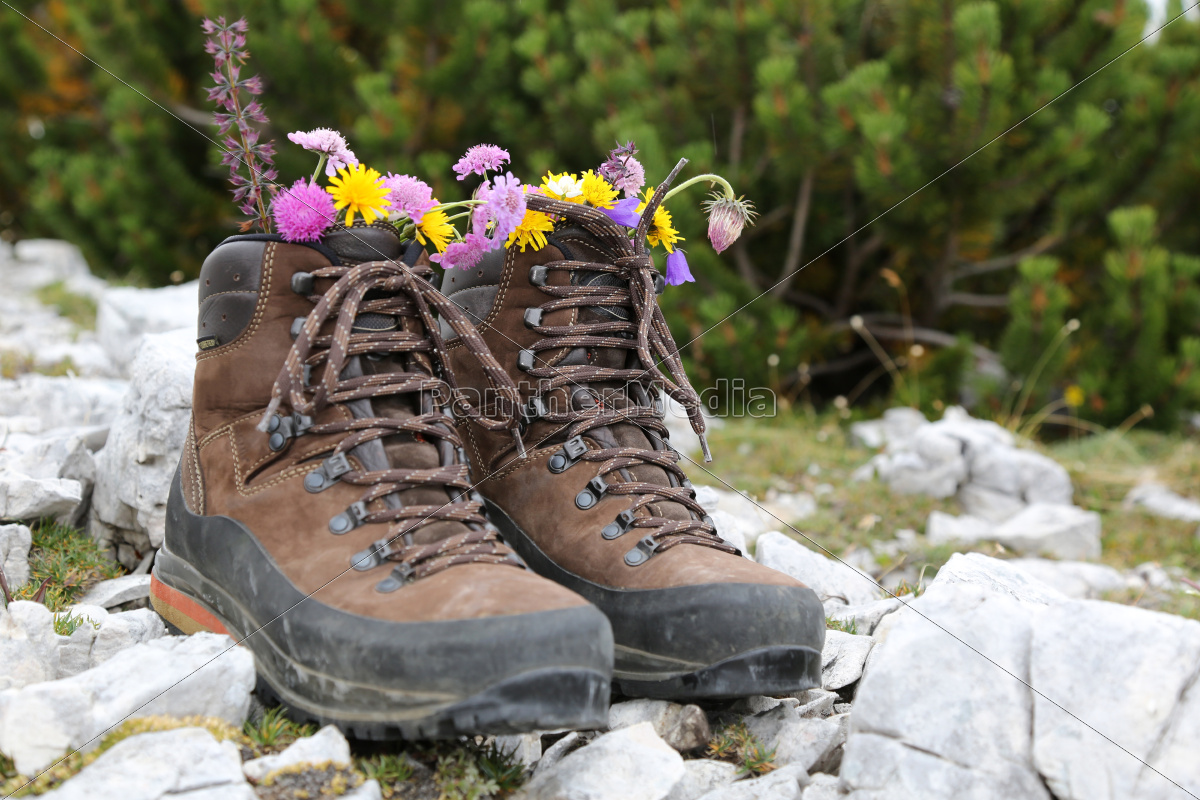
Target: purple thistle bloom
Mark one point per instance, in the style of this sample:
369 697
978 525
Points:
624 172
409 195
328 143
464 254
624 212
504 204
480 159
304 212
677 269
726 219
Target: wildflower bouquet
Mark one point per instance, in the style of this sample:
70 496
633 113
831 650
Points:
458 232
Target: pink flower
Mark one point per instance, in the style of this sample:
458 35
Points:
726 219
504 204
328 143
677 269
480 159
464 254
410 196
624 171
303 212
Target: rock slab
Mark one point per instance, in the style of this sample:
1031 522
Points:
633 763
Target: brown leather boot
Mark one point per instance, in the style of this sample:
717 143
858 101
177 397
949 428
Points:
322 514
599 502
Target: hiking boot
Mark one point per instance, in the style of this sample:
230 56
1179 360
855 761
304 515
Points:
599 502
322 513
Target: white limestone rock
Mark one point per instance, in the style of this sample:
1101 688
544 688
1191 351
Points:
117 591
836 584
998 577
732 530
1064 532
1076 579
684 727
123 630
988 504
75 650
822 787
843 658
327 744
786 507
186 763
701 776
523 747
126 314
932 718
134 470
784 783
895 425
633 763
59 402
177 676
559 750
26 498
1162 502
1130 674
816 702
22 661
15 541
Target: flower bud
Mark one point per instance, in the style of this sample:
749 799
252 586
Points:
726 219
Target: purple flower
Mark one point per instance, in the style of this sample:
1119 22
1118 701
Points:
726 218
624 171
409 195
677 269
504 204
480 159
624 212
464 254
304 212
330 144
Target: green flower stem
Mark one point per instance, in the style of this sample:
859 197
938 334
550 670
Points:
710 178
317 171
459 216
460 204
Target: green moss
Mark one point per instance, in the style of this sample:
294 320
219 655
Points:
67 561
78 308
274 731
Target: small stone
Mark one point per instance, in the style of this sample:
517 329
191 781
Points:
117 591
943 528
327 744
1162 502
701 776
822 787
784 783
832 581
1076 579
559 750
184 763
683 727
525 748
75 651
203 674
842 708
866 617
896 424
804 741
21 661
731 530
15 541
996 576
843 658
816 702
369 790
633 763
1064 532
123 630
989 505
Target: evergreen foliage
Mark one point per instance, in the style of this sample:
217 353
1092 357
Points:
825 114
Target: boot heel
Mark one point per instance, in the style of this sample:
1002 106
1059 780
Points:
181 611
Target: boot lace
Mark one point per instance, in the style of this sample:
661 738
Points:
645 332
394 289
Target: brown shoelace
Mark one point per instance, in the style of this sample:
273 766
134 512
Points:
397 291
645 333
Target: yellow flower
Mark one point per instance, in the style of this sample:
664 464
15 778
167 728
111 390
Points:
597 191
660 227
436 226
532 230
1073 396
565 187
360 191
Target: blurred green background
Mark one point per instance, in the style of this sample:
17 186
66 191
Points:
825 114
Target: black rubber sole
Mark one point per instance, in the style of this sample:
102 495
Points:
376 679
712 641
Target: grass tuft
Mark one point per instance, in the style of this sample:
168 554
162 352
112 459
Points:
274 731
67 561
78 308
67 622
736 745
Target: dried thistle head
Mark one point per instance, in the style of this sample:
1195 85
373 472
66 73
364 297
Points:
726 219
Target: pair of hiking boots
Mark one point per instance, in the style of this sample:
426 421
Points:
435 514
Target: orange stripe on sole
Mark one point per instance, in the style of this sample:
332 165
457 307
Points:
182 611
